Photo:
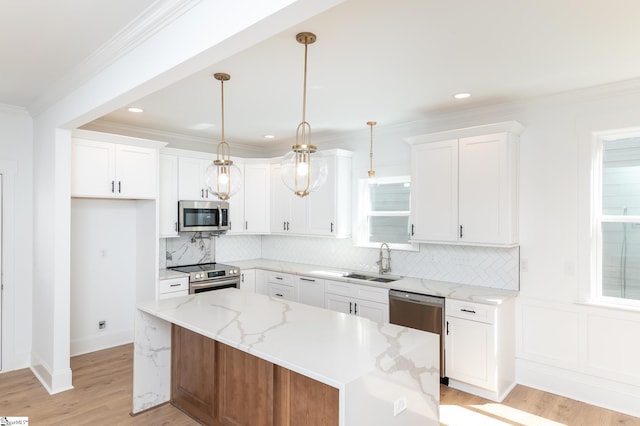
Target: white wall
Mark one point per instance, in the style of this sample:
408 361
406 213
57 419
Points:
586 352
16 166
103 272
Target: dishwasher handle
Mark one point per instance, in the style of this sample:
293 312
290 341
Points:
422 299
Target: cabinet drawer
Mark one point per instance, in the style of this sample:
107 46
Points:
470 310
175 284
374 294
340 288
279 278
364 292
282 291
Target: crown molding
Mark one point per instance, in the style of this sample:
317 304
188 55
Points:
153 19
12 109
174 140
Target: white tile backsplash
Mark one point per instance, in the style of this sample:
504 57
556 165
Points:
481 266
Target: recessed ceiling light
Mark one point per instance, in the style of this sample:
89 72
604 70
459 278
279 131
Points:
463 95
135 109
269 136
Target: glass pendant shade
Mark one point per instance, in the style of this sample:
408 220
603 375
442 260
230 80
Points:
302 170
223 180
303 173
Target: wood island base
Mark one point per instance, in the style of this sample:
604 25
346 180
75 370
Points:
220 385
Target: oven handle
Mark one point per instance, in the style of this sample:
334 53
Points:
202 284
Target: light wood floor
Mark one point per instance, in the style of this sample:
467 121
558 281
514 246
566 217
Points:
103 391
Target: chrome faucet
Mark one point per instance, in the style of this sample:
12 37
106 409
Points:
381 262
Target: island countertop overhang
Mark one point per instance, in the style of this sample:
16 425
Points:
327 346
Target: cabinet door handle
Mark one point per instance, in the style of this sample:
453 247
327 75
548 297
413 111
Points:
460 231
119 187
350 310
355 308
284 225
241 278
287 226
207 192
246 225
230 227
471 311
332 227
113 188
447 328
175 225
412 229
202 193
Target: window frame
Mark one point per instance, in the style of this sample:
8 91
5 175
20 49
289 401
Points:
361 236
596 295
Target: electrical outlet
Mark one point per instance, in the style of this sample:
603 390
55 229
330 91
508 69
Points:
399 405
102 325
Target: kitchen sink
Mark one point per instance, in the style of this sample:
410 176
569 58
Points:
373 278
358 276
383 280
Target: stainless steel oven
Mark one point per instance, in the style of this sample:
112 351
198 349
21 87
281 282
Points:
210 276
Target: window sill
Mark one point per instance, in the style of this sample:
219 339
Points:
609 305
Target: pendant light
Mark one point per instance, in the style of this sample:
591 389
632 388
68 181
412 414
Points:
302 169
222 177
372 173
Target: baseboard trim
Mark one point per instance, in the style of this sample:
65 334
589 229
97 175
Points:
604 393
58 381
103 341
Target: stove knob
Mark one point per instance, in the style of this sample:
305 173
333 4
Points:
198 276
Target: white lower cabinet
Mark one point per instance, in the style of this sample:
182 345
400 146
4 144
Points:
311 291
173 287
248 280
281 285
356 299
480 347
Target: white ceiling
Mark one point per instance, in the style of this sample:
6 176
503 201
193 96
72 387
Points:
393 61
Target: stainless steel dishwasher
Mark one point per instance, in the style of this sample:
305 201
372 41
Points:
421 312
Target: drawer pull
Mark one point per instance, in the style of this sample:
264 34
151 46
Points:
279 278
279 295
308 279
468 310
175 285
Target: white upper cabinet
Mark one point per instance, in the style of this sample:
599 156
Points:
434 191
329 208
256 197
112 170
191 184
325 212
168 199
288 211
237 204
464 186
249 208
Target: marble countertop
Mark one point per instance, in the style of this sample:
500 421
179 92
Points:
331 347
168 274
487 295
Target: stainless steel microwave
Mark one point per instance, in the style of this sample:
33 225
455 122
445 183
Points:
212 216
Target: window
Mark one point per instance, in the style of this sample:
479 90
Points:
618 220
385 209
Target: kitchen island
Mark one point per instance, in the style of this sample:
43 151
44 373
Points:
382 373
